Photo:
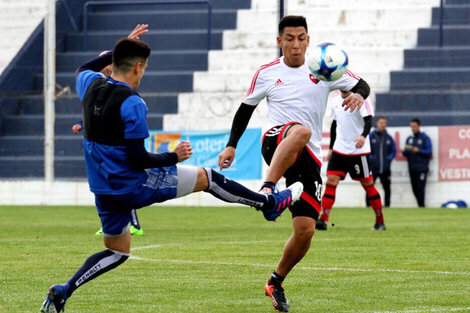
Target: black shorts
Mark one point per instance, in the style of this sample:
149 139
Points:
356 165
306 170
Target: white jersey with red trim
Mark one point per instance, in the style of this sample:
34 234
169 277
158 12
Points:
294 94
349 126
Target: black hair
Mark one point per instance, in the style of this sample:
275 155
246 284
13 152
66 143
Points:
292 21
417 121
127 52
381 117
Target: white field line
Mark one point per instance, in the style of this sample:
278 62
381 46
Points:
431 310
154 246
308 268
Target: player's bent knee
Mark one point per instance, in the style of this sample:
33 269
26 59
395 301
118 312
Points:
301 133
202 182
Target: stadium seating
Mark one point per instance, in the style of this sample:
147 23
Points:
362 27
185 84
178 36
435 82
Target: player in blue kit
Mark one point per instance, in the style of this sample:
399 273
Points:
124 176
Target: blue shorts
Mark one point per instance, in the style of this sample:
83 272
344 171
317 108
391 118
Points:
162 184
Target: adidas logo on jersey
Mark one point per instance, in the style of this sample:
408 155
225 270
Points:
278 82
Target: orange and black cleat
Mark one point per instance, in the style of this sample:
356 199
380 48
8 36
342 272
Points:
276 292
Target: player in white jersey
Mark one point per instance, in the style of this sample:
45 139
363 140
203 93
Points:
349 148
296 105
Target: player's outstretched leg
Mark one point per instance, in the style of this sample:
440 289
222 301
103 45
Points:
97 264
272 206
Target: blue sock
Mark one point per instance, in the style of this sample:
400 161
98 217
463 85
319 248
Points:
97 264
228 190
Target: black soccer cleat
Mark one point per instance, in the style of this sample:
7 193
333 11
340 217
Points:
379 226
321 225
276 292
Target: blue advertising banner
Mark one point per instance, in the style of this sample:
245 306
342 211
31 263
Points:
206 148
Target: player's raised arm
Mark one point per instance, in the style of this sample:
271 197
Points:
239 124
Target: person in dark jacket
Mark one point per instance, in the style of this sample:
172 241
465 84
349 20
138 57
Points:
381 156
418 150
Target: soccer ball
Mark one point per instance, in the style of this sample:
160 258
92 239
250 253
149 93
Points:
327 61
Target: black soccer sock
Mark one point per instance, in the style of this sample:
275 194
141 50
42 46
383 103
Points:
269 184
135 219
228 190
276 279
97 264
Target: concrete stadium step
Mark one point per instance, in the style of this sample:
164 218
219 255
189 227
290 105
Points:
423 100
191 39
34 145
452 2
167 19
345 37
453 15
437 57
166 60
428 118
453 35
216 4
33 167
383 58
34 104
240 81
21 125
163 81
430 78
402 17
299 4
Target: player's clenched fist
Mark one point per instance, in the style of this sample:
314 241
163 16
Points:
183 150
226 157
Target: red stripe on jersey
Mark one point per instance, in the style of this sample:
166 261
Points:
311 200
368 107
255 77
349 73
313 156
337 173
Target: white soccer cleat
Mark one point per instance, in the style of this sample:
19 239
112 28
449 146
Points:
296 188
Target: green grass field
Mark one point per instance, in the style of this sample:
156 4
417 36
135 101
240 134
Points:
195 259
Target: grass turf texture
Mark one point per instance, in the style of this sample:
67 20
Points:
218 259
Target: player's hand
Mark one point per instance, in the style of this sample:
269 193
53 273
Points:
226 157
76 128
353 102
415 149
138 31
183 150
360 141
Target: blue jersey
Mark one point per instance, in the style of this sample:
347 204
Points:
108 170
418 162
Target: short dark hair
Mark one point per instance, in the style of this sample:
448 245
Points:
292 21
127 52
417 121
380 117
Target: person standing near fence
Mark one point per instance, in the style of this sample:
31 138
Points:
418 151
382 153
